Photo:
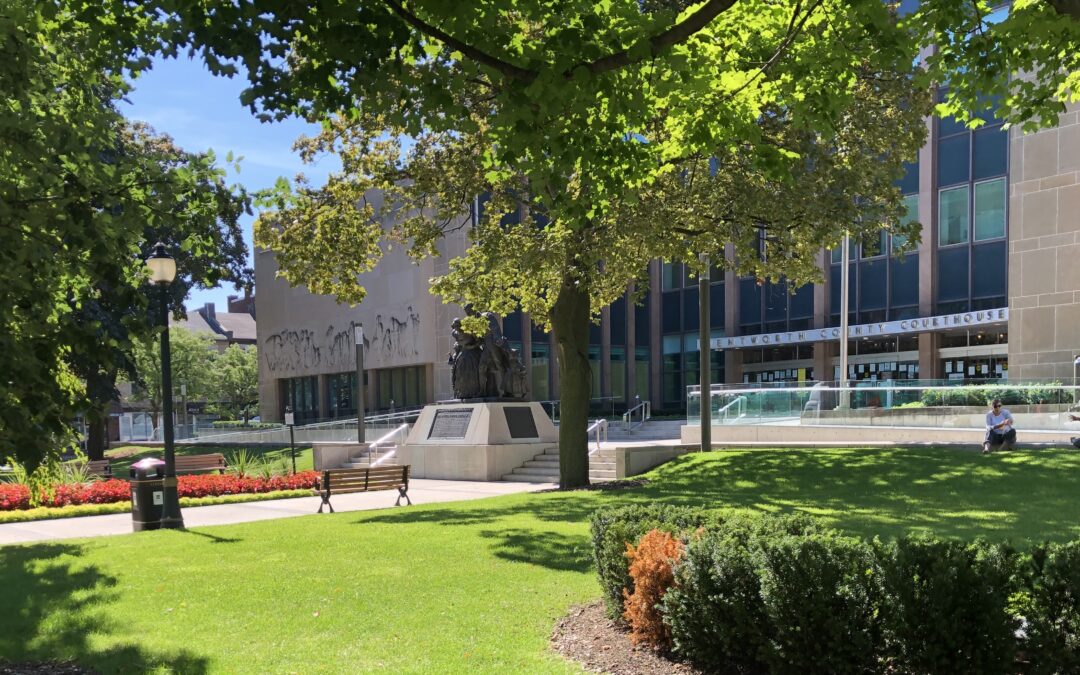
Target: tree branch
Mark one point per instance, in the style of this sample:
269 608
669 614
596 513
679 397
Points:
680 32
505 67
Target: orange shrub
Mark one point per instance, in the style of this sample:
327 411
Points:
651 570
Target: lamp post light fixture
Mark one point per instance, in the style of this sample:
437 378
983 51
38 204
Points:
162 268
358 333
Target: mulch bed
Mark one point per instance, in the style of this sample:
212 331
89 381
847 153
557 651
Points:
596 642
45 668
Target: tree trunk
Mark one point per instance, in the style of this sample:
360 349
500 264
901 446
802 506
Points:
570 323
97 435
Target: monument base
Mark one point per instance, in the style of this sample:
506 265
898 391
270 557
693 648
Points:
476 441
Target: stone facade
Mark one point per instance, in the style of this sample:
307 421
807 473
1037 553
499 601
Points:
301 334
1044 250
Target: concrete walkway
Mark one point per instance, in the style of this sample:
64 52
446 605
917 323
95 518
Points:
421 491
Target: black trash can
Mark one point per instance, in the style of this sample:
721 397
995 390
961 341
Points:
147 493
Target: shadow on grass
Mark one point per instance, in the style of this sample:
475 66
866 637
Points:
52 605
1024 496
553 550
214 539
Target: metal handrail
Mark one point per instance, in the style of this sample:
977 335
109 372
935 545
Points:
375 443
739 402
554 412
646 414
600 426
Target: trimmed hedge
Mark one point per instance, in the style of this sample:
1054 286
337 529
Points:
982 395
614 527
782 594
240 424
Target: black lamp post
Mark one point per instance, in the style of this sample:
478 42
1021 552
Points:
162 273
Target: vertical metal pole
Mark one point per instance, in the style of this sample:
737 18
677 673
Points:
704 355
292 448
359 334
844 281
170 507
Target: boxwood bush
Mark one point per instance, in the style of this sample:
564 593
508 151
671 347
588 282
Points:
1050 606
945 607
782 594
615 527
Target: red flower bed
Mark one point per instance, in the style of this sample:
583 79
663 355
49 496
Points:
16 497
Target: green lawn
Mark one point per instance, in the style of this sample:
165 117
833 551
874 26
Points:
124 456
467 587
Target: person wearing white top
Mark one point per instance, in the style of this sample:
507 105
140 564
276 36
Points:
1000 428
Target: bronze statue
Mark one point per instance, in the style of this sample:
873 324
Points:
485 366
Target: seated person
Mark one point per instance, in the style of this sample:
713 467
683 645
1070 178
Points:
999 428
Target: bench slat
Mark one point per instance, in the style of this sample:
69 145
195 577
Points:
370 479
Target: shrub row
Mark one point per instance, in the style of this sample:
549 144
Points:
15 496
783 594
981 396
241 424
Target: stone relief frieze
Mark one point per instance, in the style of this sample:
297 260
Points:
391 338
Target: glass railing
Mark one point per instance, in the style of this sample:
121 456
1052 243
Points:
334 430
1037 404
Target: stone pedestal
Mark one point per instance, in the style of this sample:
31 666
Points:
476 441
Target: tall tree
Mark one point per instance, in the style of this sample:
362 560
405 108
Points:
192 358
581 105
79 192
234 385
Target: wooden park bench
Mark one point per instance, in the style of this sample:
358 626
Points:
214 461
336 481
99 467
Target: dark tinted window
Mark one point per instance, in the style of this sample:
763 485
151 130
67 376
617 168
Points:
910 182
953 160
716 306
749 301
641 321
670 309
802 303
691 316
905 281
989 274
990 157
512 326
952 274
775 301
618 322
873 280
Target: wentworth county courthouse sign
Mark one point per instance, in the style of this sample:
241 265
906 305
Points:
990 317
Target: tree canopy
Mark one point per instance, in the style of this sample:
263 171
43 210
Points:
578 108
83 194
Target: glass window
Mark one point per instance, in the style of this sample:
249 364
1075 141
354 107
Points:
953 216
691 311
618 322
911 214
990 155
952 277
953 159
716 306
990 209
671 275
838 252
641 320
910 182
989 270
670 306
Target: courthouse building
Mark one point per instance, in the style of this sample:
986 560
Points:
992 292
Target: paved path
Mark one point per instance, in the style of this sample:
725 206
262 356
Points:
421 491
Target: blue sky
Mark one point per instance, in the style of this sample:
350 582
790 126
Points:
181 98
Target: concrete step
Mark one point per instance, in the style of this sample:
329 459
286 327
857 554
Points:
542 464
537 471
517 478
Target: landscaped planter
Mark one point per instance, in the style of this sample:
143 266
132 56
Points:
1039 416
16 496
